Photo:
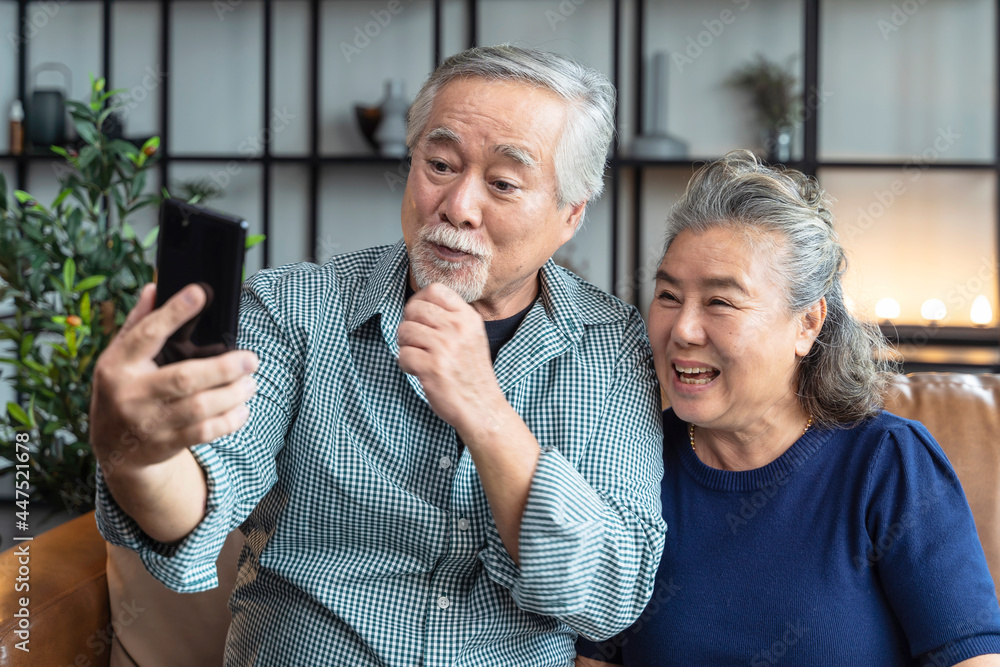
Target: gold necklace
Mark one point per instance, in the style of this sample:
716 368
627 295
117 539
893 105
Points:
691 432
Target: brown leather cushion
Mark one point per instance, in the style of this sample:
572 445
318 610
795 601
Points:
68 598
165 628
962 412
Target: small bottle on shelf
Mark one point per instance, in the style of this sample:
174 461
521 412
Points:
16 128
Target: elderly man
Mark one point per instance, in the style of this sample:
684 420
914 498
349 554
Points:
416 486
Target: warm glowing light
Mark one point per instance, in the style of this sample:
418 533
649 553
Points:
933 310
981 313
887 309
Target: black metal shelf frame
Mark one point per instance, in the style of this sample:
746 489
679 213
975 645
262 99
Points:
615 161
809 163
313 160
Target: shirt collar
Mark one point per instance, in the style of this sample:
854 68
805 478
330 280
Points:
384 293
561 301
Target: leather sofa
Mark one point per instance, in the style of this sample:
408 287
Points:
92 604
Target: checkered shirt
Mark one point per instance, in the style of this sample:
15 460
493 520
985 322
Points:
369 539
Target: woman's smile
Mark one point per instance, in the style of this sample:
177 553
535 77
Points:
691 373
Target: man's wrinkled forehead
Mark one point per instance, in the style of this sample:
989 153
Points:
442 135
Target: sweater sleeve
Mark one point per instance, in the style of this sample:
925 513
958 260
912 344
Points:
925 547
239 468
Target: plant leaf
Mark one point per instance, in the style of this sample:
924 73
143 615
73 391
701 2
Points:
85 307
17 413
69 272
116 194
138 185
35 366
26 344
111 93
150 238
62 197
9 332
23 197
78 108
87 156
88 283
122 147
71 341
87 131
253 240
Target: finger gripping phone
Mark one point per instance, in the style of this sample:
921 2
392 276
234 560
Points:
199 245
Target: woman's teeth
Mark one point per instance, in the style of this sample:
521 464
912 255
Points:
696 374
696 369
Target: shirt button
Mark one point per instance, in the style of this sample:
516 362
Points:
445 462
463 524
444 602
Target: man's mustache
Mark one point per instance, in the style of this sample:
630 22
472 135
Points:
462 241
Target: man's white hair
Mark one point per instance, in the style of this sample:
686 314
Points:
582 148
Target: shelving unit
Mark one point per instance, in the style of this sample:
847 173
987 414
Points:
629 25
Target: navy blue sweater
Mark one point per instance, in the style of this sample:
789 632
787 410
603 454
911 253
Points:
855 547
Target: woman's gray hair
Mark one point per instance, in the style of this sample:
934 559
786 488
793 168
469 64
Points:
844 377
583 145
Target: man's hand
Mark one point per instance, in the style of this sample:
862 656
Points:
443 342
143 418
163 409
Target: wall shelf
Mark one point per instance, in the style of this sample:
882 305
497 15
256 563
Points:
912 164
631 33
940 335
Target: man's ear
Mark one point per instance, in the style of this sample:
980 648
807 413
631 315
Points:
810 324
574 216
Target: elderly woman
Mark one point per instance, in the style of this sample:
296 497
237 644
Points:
805 525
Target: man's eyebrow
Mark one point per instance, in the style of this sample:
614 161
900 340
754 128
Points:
717 282
663 276
442 135
517 154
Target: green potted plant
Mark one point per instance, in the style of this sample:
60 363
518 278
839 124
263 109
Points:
73 270
772 90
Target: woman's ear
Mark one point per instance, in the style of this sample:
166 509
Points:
810 324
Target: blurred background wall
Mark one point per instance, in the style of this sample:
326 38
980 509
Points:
897 118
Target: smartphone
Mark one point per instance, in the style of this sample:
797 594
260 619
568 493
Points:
199 245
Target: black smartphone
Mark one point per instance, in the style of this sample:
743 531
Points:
199 245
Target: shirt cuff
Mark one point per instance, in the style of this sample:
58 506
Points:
187 566
562 529
962 649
